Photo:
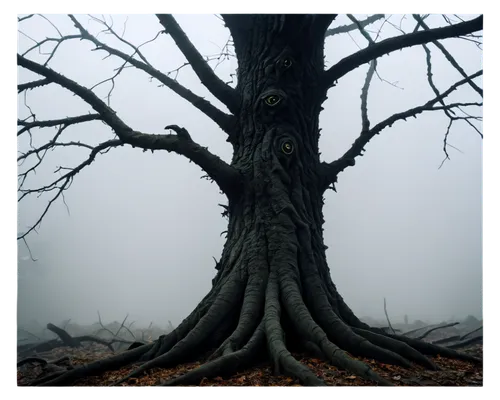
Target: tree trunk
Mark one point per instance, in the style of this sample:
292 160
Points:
273 290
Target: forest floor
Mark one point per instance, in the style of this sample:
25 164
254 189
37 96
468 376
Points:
453 372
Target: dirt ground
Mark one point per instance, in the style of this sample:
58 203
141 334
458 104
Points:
453 372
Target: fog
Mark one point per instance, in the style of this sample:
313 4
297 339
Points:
140 229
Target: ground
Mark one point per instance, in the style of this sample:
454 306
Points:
453 373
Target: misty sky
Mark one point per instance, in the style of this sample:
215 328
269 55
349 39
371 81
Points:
142 228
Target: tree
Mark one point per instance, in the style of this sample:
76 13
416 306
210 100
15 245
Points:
273 289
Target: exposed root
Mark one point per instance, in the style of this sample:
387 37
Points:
166 342
243 313
419 345
306 326
224 365
320 304
98 367
249 316
398 347
282 358
340 333
135 345
313 349
226 300
446 340
432 349
465 343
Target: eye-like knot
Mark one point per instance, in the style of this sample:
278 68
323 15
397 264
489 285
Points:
287 147
287 62
272 100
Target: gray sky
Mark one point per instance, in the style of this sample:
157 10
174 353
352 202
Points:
143 227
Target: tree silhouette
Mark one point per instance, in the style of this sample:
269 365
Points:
273 292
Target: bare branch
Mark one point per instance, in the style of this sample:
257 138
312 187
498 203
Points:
51 23
227 95
223 55
32 85
120 38
58 41
107 114
56 122
224 175
387 46
425 334
365 122
348 28
448 56
387 317
29 250
63 124
331 170
20 19
471 332
448 112
114 334
65 182
136 49
371 42
224 121
52 144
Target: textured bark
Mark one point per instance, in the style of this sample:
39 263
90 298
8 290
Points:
273 291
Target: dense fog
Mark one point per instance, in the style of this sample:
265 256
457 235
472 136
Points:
137 232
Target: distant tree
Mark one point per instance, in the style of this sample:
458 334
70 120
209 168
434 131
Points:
273 292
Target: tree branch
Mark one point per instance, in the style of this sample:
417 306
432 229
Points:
448 56
64 181
329 171
31 85
56 122
223 174
387 46
348 28
448 112
227 95
365 121
224 121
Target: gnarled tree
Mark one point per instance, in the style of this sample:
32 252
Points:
273 292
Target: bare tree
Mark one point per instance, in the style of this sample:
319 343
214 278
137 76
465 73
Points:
273 277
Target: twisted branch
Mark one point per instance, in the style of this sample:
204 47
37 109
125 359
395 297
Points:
224 175
387 46
210 80
224 121
351 27
331 170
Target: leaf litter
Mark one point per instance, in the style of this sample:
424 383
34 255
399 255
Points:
452 373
